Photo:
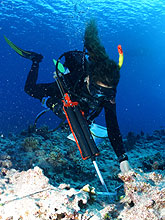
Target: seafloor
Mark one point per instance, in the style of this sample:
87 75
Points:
42 176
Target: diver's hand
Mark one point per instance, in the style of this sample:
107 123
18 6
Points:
125 166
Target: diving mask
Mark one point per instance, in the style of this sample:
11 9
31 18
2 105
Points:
98 91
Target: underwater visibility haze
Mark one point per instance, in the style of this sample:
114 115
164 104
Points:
53 27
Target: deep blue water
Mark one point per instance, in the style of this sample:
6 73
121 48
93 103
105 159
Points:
53 27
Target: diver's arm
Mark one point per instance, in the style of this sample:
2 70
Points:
114 131
115 136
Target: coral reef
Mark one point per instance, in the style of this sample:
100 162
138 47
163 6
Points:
131 140
144 196
5 161
28 195
30 144
25 188
57 158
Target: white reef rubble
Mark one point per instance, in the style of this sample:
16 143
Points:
27 195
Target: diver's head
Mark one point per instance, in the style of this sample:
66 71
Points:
102 69
103 79
100 90
107 72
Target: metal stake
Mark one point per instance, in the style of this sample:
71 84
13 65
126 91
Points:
102 180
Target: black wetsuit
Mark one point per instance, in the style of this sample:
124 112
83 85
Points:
87 102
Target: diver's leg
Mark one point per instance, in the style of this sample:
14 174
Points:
30 85
40 90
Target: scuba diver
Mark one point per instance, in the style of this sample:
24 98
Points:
91 80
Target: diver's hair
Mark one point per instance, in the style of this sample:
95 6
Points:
106 72
102 69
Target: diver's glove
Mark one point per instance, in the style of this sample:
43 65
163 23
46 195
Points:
125 166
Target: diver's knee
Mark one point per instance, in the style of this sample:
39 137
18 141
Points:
28 90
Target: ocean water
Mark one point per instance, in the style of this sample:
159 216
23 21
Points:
53 27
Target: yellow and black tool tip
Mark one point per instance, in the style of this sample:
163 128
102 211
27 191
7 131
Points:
18 50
